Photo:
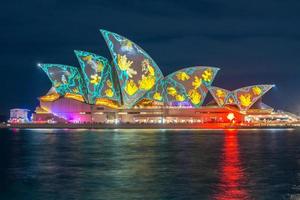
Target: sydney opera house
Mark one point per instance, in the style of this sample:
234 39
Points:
130 88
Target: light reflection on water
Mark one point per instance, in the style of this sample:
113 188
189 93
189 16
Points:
232 177
149 164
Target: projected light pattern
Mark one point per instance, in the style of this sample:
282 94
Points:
247 96
244 97
137 71
220 95
134 79
65 79
157 92
231 99
98 76
189 84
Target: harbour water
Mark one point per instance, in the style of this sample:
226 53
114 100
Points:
149 164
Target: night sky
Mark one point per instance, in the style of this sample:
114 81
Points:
253 42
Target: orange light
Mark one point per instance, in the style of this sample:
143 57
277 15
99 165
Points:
77 97
49 97
145 102
106 102
41 110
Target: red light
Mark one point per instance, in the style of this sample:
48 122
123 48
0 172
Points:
231 131
233 176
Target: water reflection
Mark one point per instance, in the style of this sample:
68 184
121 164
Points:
232 176
149 164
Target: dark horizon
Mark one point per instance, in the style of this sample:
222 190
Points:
252 43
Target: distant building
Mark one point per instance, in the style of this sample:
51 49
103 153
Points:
132 89
18 115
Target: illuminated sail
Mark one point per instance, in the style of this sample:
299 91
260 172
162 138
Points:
65 79
243 97
137 71
247 96
189 85
220 95
99 77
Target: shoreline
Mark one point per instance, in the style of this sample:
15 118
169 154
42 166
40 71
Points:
143 126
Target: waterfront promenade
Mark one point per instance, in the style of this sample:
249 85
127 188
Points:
147 126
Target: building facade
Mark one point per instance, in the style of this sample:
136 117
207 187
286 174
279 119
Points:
132 89
18 115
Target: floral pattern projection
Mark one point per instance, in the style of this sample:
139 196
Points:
137 72
247 96
244 97
189 85
231 99
98 76
220 95
157 92
136 77
66 80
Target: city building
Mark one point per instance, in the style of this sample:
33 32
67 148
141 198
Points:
18 115
132 89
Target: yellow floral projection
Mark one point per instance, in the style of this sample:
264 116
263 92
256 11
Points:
130 87
95 79
125 65
128 44
148 77
256 90
87 58
197 82
151 70
182 76
245 100
179 97
147 82
171 91
194 96
220 93
207 75
109 93
157 96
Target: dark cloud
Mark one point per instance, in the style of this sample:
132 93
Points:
251 41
